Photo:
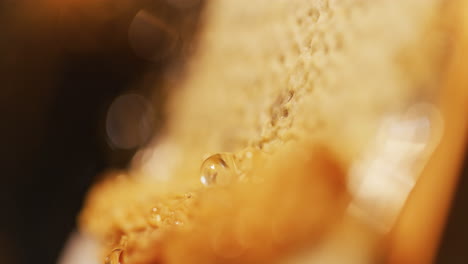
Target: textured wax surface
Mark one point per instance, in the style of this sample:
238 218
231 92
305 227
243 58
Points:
270 71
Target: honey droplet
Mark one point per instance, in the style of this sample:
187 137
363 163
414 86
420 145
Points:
155 218
115 257
218 169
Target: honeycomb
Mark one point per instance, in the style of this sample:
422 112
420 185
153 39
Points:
301 83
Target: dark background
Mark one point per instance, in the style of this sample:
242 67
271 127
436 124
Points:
61 65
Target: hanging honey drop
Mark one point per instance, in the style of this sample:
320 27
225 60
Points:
155 217
218 169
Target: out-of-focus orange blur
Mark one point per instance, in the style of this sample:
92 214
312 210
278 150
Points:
418 233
